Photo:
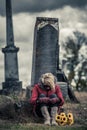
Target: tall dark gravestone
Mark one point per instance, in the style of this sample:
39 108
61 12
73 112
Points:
45 48
12 82
46 55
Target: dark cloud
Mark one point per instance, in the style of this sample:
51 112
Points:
39 5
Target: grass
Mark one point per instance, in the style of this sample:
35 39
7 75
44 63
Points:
26 123
39 127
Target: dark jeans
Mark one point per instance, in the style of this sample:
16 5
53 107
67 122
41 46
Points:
49 105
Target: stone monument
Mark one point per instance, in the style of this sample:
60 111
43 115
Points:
12 82
46 54
45 48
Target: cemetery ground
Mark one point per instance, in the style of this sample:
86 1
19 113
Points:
22 120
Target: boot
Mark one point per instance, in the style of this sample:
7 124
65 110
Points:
46 115
53 115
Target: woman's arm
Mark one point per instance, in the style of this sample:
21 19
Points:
59 94
34 95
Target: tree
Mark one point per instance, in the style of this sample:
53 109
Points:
74 58
82 76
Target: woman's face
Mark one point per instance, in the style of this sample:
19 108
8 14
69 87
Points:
47 87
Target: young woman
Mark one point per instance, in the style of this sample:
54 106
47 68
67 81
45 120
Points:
47 97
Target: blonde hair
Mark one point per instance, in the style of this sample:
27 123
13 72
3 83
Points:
48 79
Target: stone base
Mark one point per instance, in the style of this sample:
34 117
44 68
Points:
10 87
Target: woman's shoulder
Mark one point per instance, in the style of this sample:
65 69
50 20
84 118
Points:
36 86
57 87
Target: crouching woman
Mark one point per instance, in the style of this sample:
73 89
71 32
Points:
47 98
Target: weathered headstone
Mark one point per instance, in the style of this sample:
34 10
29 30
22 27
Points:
46 54
12 82
45 48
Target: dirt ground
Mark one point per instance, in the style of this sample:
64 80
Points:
79 112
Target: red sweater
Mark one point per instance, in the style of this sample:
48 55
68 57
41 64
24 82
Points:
37 90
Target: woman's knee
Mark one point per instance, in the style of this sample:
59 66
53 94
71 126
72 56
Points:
42 95
53 96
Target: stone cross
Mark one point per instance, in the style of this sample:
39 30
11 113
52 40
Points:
45 48
12 82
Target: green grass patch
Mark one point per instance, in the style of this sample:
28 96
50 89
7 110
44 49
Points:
39 127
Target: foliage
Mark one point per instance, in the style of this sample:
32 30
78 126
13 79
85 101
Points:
77 63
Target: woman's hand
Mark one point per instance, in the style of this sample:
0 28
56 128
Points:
54 100
43 100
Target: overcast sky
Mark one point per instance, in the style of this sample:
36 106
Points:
39 5
72 16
